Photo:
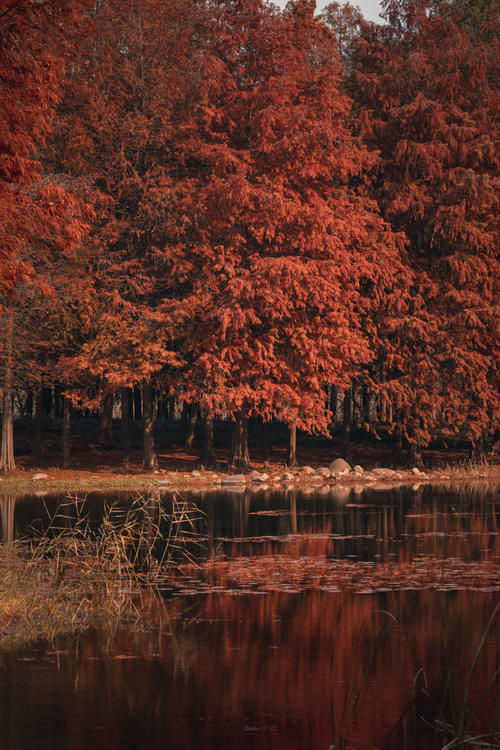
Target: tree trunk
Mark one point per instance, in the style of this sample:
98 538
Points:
399 420
66 425
105 436
7 462
357 406
47 402
58 402
399 438
171 408
347 425
415 452
333 403
267 440
292 451
239 450
28 404
39 414
186 408
149 458
382 408
191 431
372 408
52 403
495 447
125 422
476 451
208 457
365 404
137 403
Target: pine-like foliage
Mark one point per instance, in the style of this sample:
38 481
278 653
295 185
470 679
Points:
279 236
426 84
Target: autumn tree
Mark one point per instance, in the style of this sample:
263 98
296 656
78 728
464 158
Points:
38 216
279 231
126 115
345 22
425 85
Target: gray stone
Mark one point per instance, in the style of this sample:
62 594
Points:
339 466
415 471
307 470
358 469
40 475
287 477
195 473
386 473
315 479
323 472
234 479
260 478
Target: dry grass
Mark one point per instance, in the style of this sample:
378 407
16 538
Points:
76 574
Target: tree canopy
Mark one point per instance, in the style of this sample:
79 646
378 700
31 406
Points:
246 207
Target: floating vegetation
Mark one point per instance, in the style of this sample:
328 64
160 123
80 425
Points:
279 572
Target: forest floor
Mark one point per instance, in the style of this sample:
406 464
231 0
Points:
97 467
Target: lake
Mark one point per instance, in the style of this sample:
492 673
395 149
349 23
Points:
290 619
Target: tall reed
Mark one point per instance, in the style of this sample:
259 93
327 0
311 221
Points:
76 571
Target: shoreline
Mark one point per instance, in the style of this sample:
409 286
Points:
270 477
72 573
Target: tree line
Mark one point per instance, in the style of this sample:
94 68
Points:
249 209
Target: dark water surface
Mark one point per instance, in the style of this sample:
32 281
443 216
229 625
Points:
348 619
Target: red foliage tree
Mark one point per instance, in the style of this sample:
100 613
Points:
279 234
38 216
126 115
426 89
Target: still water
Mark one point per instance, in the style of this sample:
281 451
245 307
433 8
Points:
300 620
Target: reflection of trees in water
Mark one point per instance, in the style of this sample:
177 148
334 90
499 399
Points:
7 505
210 666
207 666
275 652
443 521
402 522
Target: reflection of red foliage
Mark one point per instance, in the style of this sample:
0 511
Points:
215 667
441 551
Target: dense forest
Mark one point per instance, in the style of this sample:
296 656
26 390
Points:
245 213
